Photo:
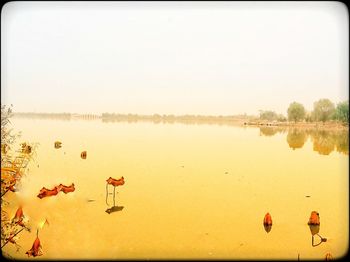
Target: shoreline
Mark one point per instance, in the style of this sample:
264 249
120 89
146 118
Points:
301 125
199 120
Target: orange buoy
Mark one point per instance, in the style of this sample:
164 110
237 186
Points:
267 220
314 218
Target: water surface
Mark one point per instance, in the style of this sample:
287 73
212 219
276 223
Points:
191 191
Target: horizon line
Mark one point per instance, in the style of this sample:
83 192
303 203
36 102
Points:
135 114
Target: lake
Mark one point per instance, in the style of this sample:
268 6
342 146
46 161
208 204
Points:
191 191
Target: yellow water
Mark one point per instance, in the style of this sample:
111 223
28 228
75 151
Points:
191 191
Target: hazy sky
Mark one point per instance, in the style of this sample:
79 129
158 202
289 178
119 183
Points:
167 57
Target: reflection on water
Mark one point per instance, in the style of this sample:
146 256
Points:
267 228
271 131
296 138
314 229
186 120
322 240
114 209
324 141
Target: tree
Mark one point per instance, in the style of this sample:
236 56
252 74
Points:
342 112
267 115
308 117
323 110
296 112
281 118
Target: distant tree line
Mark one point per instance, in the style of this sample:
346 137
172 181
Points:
43 115
323 110
271 115
173 118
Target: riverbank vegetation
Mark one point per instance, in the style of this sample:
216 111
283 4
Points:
324 115
14 161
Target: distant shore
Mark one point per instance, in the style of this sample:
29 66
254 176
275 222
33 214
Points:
317 125
236 120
